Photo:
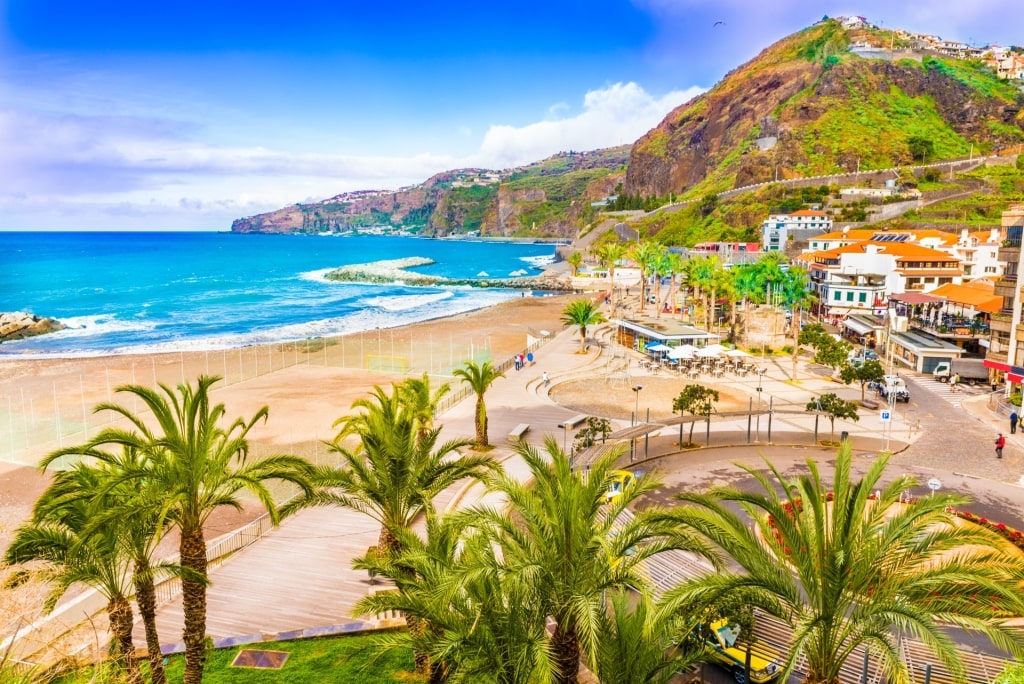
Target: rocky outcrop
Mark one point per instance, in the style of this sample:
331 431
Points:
396 270
18 325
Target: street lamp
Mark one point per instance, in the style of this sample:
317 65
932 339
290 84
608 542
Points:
636 404
760 376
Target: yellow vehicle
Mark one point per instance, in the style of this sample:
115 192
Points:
724 647
618 482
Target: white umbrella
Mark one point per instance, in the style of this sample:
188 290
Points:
707 352
659 348
715 348
736 353
680 353
688 347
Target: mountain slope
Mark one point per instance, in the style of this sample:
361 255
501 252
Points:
808 106
547 198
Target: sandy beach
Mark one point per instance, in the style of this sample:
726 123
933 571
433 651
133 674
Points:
307 385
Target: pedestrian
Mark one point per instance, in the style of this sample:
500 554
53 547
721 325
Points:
1013 423
954 381
544 378
1000 443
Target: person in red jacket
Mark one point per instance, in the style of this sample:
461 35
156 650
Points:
1000 443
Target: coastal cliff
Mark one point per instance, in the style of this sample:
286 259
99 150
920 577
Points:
18 325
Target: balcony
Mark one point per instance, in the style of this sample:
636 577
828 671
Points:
953 327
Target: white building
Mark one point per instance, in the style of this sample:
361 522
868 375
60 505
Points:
776 228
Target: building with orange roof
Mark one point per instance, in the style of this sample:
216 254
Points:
859 277
776 229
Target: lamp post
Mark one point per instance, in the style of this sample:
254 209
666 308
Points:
757 433
636 404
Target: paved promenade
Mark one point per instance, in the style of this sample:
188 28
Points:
299 576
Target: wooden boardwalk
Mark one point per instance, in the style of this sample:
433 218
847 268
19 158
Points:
297 576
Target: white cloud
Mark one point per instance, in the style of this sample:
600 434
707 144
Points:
97 171
615 115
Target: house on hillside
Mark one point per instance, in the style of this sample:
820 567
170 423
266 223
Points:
775 230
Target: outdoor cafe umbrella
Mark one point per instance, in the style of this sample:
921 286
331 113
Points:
680 353
736 353
658 348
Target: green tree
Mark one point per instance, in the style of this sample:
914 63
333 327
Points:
833 407
1014 672
796 296
697 400
417 397
479 377
199 466
862 374
636 642
483 626
596 430
921 149
582 313
395 472
644 254
575 260
670 265
610 253
746 287
846 565
561 537
1020 162
60 534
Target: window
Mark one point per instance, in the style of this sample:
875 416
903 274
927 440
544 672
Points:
862 297
849 296
838 296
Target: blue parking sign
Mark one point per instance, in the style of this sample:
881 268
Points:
886 416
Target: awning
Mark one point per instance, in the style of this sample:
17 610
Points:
1013 373
858 326
915 298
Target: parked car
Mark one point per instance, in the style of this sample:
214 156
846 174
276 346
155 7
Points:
725 648
859 356
891 384
618 482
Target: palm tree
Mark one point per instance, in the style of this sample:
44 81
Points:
415 394
610 253
636 642
395 473
565 539
575 260
481 626
582 313
745 282
74 551
670 264
199 466
644 254
479 377
849 565
796 296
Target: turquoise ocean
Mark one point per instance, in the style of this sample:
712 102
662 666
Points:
156 292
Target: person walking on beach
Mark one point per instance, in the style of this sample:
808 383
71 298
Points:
954 381
544 378
1013 423
1000 443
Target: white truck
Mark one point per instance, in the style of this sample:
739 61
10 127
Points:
971 371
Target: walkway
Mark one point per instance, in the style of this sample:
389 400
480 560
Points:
300 576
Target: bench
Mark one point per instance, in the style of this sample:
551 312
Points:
869 404
570 423
518 431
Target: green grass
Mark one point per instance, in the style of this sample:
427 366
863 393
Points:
312 661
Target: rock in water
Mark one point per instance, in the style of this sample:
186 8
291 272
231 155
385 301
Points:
17 325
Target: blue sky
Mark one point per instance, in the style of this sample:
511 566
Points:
185 115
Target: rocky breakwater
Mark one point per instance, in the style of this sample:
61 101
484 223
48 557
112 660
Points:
17 325
392 271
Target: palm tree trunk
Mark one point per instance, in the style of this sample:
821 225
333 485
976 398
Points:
796 341
481 422
145 597
120 612
193 591
643 290
565 646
